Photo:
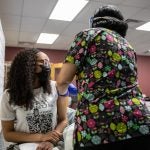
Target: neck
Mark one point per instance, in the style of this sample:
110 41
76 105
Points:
36 83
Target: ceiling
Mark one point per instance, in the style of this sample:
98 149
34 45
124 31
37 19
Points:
24 20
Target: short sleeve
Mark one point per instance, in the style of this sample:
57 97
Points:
6 110
77 50
53 87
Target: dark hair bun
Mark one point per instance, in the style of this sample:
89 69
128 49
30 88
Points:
109 11
109 17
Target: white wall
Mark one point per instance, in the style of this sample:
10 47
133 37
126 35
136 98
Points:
2 59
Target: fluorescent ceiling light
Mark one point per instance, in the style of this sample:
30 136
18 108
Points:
66 10
145 27
46 38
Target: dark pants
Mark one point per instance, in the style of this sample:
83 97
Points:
143 142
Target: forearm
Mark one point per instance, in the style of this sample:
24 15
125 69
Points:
61 126
21 137
62 120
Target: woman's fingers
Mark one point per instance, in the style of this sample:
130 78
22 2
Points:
45 146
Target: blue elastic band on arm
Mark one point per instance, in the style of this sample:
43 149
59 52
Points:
65 94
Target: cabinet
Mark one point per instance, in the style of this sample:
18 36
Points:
55 68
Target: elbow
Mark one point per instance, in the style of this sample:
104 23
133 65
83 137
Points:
6 137
59 83
62 83
62 87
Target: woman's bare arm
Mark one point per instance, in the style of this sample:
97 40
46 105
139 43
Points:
11 135
62 105
65 77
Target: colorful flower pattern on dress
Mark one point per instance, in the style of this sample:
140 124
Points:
110 106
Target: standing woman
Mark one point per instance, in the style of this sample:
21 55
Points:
30 109
110 112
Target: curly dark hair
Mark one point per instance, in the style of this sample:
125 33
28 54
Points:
21 77
111 18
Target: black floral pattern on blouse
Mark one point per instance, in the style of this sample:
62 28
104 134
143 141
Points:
110 103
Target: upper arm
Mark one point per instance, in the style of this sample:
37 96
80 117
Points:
7 114
67 73
74 59
7 126
78 50
6 110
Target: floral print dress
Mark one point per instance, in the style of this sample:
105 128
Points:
110 104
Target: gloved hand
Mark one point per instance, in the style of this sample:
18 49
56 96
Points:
72 90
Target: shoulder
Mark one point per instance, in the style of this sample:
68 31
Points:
5 99
93 32
5 94
53 83
53 86
7 111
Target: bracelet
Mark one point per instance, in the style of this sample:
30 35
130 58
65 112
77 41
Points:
65 94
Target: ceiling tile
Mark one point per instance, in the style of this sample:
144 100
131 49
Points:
143 15
134 25
32 24
111 2
10 22
28 36
41 9
24 20
128 11
11 7
138 37
74 28
63 42
138 3
90 8
11 35
87 12
55 26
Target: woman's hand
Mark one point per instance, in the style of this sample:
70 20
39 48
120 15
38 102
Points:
52 136
45 146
